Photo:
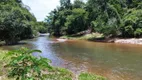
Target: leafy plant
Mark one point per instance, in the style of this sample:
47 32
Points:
24 66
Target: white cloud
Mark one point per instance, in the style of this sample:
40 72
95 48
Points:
41 8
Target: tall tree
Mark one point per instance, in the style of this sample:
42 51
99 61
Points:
65 4
79 4
16 22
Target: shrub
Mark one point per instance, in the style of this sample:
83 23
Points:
24 66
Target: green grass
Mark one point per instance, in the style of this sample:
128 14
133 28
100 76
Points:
92 36
59 74
87 76
2 61
3 71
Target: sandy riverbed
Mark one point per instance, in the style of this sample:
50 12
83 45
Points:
129 41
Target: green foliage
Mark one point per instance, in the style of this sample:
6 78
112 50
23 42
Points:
16 22
113 18
64 20
24 66
42 27
77 21
65 4
60 74
104 16
138 32
57 23
78 4
86 76
2 54
132 23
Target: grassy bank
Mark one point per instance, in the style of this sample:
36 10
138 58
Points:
87 76
3 71
50 74
91 37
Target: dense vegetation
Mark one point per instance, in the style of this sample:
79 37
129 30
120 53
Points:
42 27
113 18
16 22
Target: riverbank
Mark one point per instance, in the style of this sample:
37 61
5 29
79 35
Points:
92 36
129 41
54 74
96 37
2 62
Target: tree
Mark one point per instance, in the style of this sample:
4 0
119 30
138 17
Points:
78 4
104 15
15 21
77 21
65 4
132 23
113 18
42 27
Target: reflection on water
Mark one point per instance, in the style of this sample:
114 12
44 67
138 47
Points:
115 61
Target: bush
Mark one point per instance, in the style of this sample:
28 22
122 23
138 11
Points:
138 32
24 66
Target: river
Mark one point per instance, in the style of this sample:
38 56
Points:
114 61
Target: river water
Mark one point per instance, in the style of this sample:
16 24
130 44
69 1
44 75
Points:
114 61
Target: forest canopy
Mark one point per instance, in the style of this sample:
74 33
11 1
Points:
16 22
115 18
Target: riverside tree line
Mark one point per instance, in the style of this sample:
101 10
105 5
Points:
113 18
17 23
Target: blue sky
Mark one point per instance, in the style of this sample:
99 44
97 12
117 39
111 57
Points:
41 8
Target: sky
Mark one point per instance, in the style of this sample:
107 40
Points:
41 8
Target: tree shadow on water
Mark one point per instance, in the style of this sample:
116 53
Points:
19 43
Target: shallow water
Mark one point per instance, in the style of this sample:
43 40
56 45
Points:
114 61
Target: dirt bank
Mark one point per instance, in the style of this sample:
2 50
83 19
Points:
129 41
96 37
